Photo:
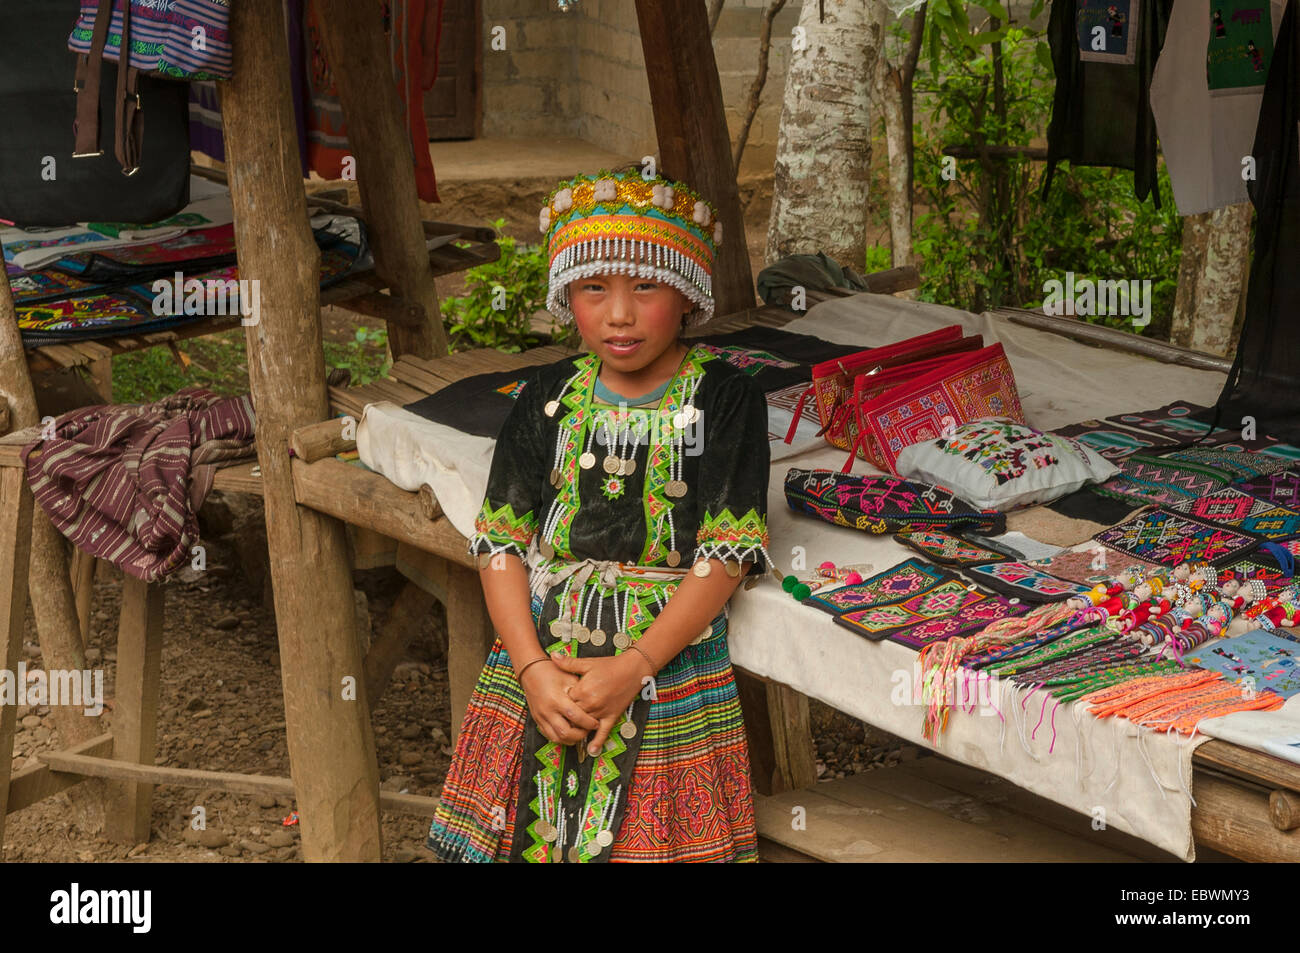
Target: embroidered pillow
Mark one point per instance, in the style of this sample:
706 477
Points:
1000 465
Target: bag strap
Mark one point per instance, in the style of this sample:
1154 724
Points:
129 115
90 67
798 413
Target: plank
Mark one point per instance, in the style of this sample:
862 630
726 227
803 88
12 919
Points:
238 479
15 553
469 638
367 499
36 783
1249 764
1237 821
81 766
317 441
135 717
62 355
984 799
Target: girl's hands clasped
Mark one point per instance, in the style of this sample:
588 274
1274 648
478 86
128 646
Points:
558 716
607 687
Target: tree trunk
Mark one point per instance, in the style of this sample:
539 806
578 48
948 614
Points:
823 153
893 95
1212 279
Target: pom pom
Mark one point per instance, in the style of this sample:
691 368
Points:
801 591
788 583
828 566
853 578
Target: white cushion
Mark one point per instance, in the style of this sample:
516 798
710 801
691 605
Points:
996 464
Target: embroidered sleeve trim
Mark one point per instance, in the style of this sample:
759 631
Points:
727 536
501 531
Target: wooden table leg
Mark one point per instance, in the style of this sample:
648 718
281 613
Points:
15 549
83 590
327 714
777 727
469 639
135 715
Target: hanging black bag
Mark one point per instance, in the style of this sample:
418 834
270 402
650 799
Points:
41 184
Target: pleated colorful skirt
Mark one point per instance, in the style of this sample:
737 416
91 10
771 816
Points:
689 797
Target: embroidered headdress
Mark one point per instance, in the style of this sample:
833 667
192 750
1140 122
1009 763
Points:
624 223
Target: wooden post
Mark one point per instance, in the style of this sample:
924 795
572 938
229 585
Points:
469 639
378 139
49 579
331 745
135 715
15 548
691 126
779 735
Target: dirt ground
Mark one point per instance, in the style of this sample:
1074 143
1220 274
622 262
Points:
222 706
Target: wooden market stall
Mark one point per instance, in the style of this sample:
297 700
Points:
310 496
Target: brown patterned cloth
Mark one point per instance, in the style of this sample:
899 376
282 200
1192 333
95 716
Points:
125 482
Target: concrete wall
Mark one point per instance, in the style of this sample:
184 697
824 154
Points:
583 74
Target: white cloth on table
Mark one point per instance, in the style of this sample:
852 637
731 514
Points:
1273 732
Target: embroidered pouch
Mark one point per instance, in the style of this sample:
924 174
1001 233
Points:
1000 465
877 622
1022 581
1238 509
967 620
907 579
947 549
1089 566
884 504
1282 488
1245 570
899 410
1165 538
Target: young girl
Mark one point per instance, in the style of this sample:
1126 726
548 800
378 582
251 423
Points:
625 502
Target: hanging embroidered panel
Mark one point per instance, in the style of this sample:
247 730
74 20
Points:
1165 538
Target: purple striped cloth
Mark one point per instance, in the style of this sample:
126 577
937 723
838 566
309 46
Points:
184 39
125 482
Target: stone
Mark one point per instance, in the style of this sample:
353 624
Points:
403 855
31 721
196 704
266 801
909 753
410 732
253 847
212 839
279 838
396 783
192 837
229 851
409 758
226 623
205 713
137 850
93 656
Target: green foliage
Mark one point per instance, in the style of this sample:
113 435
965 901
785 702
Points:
366 355
502 298
879 258
216 363
988 238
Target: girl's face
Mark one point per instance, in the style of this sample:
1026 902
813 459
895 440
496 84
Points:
630 323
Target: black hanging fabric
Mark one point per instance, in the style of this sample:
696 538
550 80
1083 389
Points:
1104 54
1264 382
41 184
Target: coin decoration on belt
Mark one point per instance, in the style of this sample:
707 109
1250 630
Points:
733 568
673 558
582 633
628 467
574 856
690 414
627 730
702 568
551 407
597 637
587 460
547 549
555 478
604 838
547 831
621 640
611 464
484 560
675 488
